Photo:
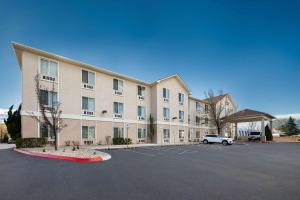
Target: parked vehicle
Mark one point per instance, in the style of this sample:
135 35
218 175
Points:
216 139
254 136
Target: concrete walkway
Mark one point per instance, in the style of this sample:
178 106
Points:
7 146
134 145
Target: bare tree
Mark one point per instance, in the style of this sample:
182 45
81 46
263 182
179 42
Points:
252 126
218 111
51 113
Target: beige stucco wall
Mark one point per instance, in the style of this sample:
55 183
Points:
70 92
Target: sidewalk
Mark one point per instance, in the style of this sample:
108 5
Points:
99 147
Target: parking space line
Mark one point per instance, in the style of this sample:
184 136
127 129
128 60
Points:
183 152
142 153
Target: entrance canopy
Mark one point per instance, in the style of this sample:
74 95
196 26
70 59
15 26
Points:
248 115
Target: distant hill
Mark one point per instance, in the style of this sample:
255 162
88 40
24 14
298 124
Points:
282 119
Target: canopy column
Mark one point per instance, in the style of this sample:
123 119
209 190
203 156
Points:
263 135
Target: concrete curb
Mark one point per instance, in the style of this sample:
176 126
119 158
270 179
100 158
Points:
103 157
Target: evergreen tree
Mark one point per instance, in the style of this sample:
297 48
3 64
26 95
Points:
268 133
13 122
290 127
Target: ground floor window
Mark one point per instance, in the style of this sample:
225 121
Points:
118 132
166 135
88 132
198 134
181 135
141 133
46 132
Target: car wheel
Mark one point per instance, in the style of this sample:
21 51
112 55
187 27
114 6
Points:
205 141
224 142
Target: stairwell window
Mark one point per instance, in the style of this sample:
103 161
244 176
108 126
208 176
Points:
181 116
48 69
88 79
48 98
118 132
198 106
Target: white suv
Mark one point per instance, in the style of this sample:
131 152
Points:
216 139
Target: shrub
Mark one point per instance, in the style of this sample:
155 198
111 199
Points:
118 141
30 142
5 138
68 143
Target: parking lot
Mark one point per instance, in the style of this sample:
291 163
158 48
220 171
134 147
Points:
250 171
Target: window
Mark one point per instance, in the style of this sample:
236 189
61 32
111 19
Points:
197 120
118 85
181 98
206 108
206 121
181 115
88 132
118 132
88 104
141 133
141 90
49 68
46 132
198 106
166 113
166 93
141 112
88 77
166 133
118 108
181 134
48 98
197 134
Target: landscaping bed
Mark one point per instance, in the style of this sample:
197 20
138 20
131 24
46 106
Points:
66 153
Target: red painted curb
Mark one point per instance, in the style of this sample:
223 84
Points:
67 158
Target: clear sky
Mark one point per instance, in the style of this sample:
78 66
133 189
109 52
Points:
250 49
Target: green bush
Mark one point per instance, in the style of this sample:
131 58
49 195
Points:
118 141
30 142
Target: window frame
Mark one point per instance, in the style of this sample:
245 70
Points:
142 89
166 93
120 132
88 104
48 70
168 113
88 133
143 114
118 89
88 77
49 96
144 132
118 104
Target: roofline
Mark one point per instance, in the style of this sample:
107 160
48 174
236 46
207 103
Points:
196 99
17 46
173 76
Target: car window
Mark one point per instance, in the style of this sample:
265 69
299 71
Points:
255 133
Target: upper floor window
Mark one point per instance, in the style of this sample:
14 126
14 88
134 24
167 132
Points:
118 132
118 109
181 115
118 85
88 77
197 120
206 121
166 94
49 69
198 106
88 105
166 113
88 132
141 112
206 108
141 90
181 98
48 98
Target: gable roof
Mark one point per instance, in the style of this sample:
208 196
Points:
173 76
248 114
218 98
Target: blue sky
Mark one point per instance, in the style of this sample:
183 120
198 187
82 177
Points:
250 49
